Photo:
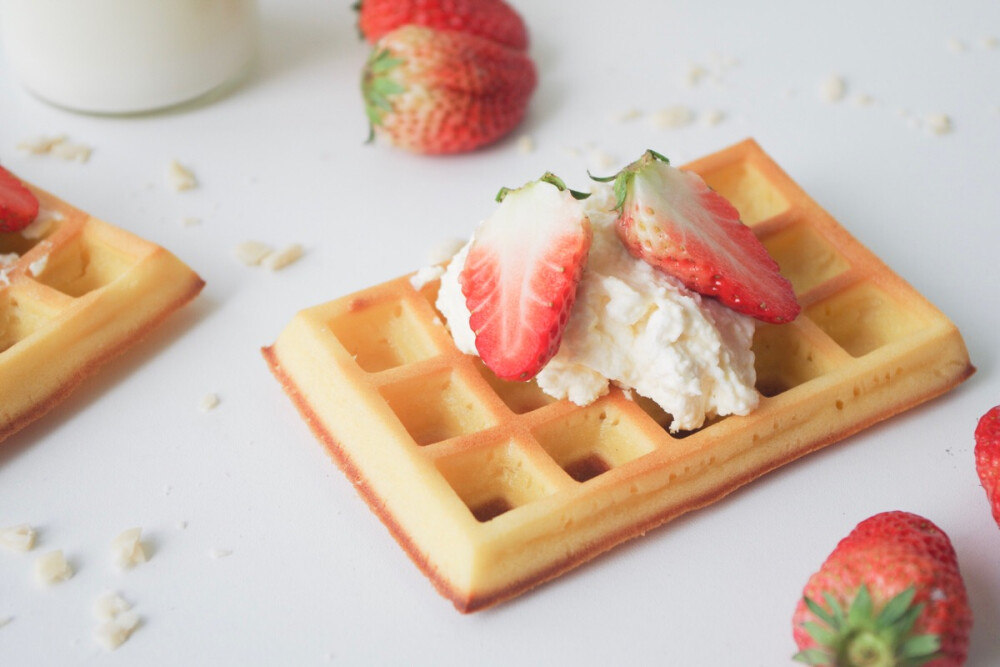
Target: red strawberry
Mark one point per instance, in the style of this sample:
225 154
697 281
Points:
674 221
988 457
492 19
889 594
18 206
521 274
444 92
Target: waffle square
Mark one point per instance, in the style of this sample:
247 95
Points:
75 292
492 487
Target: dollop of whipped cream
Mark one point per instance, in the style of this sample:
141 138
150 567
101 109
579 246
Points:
636 327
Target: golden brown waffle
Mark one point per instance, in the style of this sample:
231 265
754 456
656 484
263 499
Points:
75 292
492 487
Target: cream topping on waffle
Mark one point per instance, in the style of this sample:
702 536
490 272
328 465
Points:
638 328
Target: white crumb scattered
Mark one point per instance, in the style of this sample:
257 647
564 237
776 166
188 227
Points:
217 553
444 251
18 538
694 74
208 402
525 145
52 568
40 145
127 549
39 265
71 152
4 278
108 605
180 178
862 100
832 89
437 321
938 123
8 259
114 632
425 275
990 42
167 489
280 259
956 45
672 117
252 253
190 221
713 117
627 115
181 525
627 393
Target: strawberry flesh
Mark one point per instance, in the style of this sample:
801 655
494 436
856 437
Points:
521 275
988 458
674 221
18 205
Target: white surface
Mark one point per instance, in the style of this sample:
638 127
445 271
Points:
313 577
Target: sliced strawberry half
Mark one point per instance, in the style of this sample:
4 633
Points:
521 275
673 220
18 206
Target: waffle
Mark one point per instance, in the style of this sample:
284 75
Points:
492 487
77 292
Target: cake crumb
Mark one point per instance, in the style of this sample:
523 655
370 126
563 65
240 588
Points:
180 178
190 221
181 525
672 117
833 89
862 100
127 549
71 152
627 115
694 75
114 632
282 258
40 226
52 568
525 145
5 620
108 605
217 553
18 538
40 145
990 42
252 253
956 45
713 117
938 123
209 402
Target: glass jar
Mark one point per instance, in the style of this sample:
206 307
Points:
127 56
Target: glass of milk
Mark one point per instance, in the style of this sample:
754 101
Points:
127 56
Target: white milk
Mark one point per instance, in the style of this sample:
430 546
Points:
125 56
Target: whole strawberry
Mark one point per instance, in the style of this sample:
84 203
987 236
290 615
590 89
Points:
988 457
889 595
675 222
430 91
492 19
18 206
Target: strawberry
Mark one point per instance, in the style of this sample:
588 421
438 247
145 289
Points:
521 274
988 457
493 19
430 91
889 595
674 221
18 206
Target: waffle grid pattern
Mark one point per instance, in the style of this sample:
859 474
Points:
529 486
74 291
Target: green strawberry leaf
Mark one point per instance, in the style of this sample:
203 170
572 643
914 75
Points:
813 656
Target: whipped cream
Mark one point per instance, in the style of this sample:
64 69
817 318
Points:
638 328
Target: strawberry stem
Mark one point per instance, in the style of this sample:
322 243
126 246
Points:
551 179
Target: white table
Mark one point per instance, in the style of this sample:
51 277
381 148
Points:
313 576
